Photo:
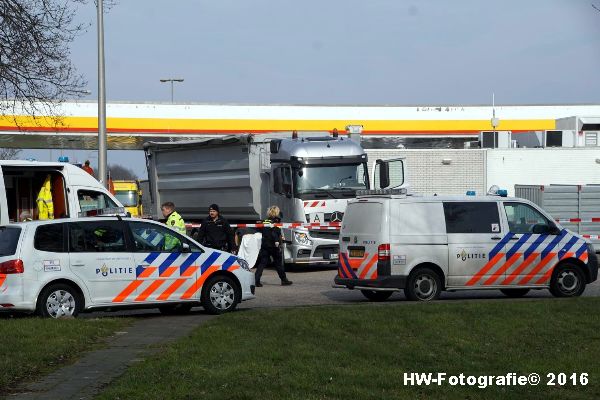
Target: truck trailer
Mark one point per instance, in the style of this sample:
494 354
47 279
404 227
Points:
310 179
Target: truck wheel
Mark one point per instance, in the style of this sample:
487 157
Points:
424 284
515 292
376 295
567 281
59 301
220 294
175 309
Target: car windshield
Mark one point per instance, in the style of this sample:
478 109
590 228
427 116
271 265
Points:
127 197
330 178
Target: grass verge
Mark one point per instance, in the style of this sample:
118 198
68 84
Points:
362 352
30 347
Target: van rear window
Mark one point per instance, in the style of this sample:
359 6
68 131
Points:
363 218
9 238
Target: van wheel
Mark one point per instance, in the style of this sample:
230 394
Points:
376 295
59 301
515 292
567 281
175 309
423 284
220 294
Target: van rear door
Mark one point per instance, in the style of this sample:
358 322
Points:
364 228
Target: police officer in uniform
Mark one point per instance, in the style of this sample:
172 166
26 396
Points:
215 231
271 248
174 221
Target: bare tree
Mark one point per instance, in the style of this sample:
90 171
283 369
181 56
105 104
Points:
36 73
9 154
121 173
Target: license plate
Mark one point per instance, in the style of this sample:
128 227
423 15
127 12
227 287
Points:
333 256
357 252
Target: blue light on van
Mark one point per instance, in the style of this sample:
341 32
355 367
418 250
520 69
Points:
471 193
502 192
63 159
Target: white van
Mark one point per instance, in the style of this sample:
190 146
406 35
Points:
424 245
73 190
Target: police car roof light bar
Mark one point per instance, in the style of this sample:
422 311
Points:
104 212
386 192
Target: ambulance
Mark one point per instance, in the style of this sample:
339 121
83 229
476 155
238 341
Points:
63 267
48 190
391 241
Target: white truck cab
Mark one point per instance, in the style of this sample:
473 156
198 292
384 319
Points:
423 245
73 190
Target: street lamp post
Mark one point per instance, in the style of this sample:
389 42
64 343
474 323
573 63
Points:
102 145
172 80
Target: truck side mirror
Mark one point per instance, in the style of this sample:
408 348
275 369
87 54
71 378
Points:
384 173
277 181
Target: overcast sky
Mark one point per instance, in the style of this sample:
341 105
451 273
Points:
347 51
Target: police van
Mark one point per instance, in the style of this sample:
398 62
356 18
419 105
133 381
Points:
423 245
64 267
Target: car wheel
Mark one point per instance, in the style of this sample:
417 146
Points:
175 309
515 292
567 281
423 284
59 301
220 294
376 295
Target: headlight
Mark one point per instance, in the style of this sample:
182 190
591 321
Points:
243 264
302 238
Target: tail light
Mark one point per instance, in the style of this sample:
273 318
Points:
383 252
11 267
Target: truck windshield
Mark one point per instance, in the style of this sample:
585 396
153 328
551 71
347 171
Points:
331 180
127 197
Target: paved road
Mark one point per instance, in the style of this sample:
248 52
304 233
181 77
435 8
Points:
313 287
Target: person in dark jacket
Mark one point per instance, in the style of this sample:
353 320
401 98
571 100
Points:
215 231
271 248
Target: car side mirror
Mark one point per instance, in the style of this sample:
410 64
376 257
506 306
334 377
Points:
553 229
545 229
186 248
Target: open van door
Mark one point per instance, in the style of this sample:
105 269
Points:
389 174
3 202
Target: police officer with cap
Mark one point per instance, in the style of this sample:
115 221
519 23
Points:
215 231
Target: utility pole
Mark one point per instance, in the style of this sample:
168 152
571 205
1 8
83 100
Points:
102 145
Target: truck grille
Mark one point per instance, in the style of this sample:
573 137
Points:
321 250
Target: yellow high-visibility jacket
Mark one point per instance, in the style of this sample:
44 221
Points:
44 201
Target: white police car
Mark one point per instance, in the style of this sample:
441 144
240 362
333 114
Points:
63 267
